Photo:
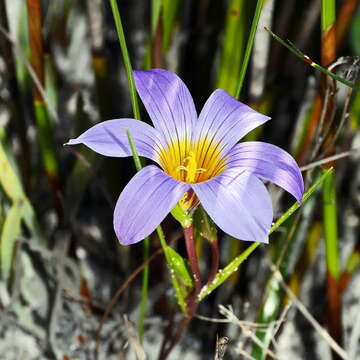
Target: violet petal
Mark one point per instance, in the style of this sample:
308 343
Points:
225 120
268 162
143 204
168 102
238 203
109 138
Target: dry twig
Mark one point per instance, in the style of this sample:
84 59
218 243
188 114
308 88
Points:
299 305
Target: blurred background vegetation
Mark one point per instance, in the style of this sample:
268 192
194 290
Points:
61 71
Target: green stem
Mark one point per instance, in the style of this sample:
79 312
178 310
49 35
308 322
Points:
330 227
249 46
144 290
145 277
334 296
136 110
177 288
126 58
328 11
306 59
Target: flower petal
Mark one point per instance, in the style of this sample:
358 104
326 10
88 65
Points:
169 104
109 138
144 203
238 203
224 120
270 163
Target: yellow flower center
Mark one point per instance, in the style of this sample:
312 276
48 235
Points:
192 162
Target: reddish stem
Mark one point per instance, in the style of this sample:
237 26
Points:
215 258
194 265
192 300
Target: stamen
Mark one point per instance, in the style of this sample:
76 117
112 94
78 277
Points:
190 168
181 167
193 166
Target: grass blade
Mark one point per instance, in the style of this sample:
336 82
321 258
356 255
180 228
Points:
332 258
233 46
44 127
306 59
145 278
14 190
126 58
10 233
170 8
249 46
8 178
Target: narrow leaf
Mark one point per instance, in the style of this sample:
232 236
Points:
170 8
178 264
305 58
8 178
9 235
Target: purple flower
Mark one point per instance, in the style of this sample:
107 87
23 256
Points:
199 160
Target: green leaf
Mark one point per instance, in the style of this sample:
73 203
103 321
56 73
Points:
179 275
204 226
8 178
249 46
155 14
181 216
180 296
126 59
170 8
31 222
233 45
9 235
290 46
178 264
45 136
330 227
13 189
328 11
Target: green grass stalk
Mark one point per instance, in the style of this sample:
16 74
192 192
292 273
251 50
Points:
330 227
145 278
306 59
249 46
327 14
45 133
17 117
332 259
126 58
136 110
328 55
233 45
328 36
